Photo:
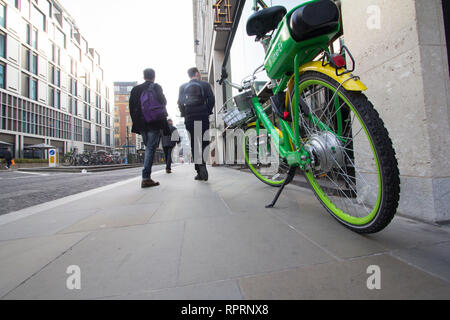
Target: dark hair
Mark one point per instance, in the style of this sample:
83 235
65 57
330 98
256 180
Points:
192 72
149 74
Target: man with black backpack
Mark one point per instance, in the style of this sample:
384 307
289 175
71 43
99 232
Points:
196 102
149 115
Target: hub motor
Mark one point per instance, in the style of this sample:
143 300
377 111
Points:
326 152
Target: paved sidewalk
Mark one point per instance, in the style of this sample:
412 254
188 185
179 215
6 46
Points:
213 240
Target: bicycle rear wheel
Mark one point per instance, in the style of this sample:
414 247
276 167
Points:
354 173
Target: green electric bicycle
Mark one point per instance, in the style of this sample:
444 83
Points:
314 117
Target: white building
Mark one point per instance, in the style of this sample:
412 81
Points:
52 85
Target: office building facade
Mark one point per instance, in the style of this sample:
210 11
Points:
123 137
52 84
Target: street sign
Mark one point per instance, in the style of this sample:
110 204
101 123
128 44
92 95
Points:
52 158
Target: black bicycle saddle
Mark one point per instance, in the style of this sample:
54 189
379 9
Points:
265 20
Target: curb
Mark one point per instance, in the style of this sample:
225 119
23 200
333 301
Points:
80 169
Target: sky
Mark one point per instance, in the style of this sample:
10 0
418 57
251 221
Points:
133 35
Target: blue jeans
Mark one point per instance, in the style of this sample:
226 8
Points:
151 140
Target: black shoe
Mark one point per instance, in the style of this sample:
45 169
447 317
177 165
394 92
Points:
197 177
203 173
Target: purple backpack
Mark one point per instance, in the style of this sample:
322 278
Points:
152 109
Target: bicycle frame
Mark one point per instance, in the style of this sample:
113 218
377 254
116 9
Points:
288 143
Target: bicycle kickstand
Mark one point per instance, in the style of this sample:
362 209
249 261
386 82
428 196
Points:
289 178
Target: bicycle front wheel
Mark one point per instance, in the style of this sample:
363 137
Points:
354 173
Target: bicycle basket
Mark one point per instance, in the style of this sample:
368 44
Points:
239 109
234 117
244 101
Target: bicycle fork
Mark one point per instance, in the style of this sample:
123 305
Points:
289 178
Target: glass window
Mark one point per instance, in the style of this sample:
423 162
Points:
15 3
34 89
34 64
25 85
2 45
2 15
26 8
58 77
49 9
2 75
28 34
34 38
51 96
38 18
25 58
60 38
58 99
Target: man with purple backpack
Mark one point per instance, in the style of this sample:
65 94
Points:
149 115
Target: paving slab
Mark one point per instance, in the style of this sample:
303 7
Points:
234 246
116 217
112 262
21 260
434 258
347 280
45 224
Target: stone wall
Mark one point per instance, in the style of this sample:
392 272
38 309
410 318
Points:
401 56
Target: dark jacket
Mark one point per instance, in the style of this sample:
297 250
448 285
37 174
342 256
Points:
167 139
7 155
139 123
202 113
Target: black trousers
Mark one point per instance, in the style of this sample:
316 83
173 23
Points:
168 157
198 139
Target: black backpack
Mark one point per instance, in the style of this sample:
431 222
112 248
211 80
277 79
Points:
193 96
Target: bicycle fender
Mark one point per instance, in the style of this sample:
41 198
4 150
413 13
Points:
346 80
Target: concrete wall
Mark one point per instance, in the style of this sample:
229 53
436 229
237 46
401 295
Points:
403 61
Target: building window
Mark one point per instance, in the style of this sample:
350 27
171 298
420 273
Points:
25 85
58 99
87 112
34 38
25 58
56 55
60 38
87 132
14 3
34 64
26 8
2 45
34 89
2 75
38 18
51 96
2 15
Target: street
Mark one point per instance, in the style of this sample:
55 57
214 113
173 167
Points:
25 189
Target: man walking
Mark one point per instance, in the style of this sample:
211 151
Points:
149 115
8 158
196 102
169 142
